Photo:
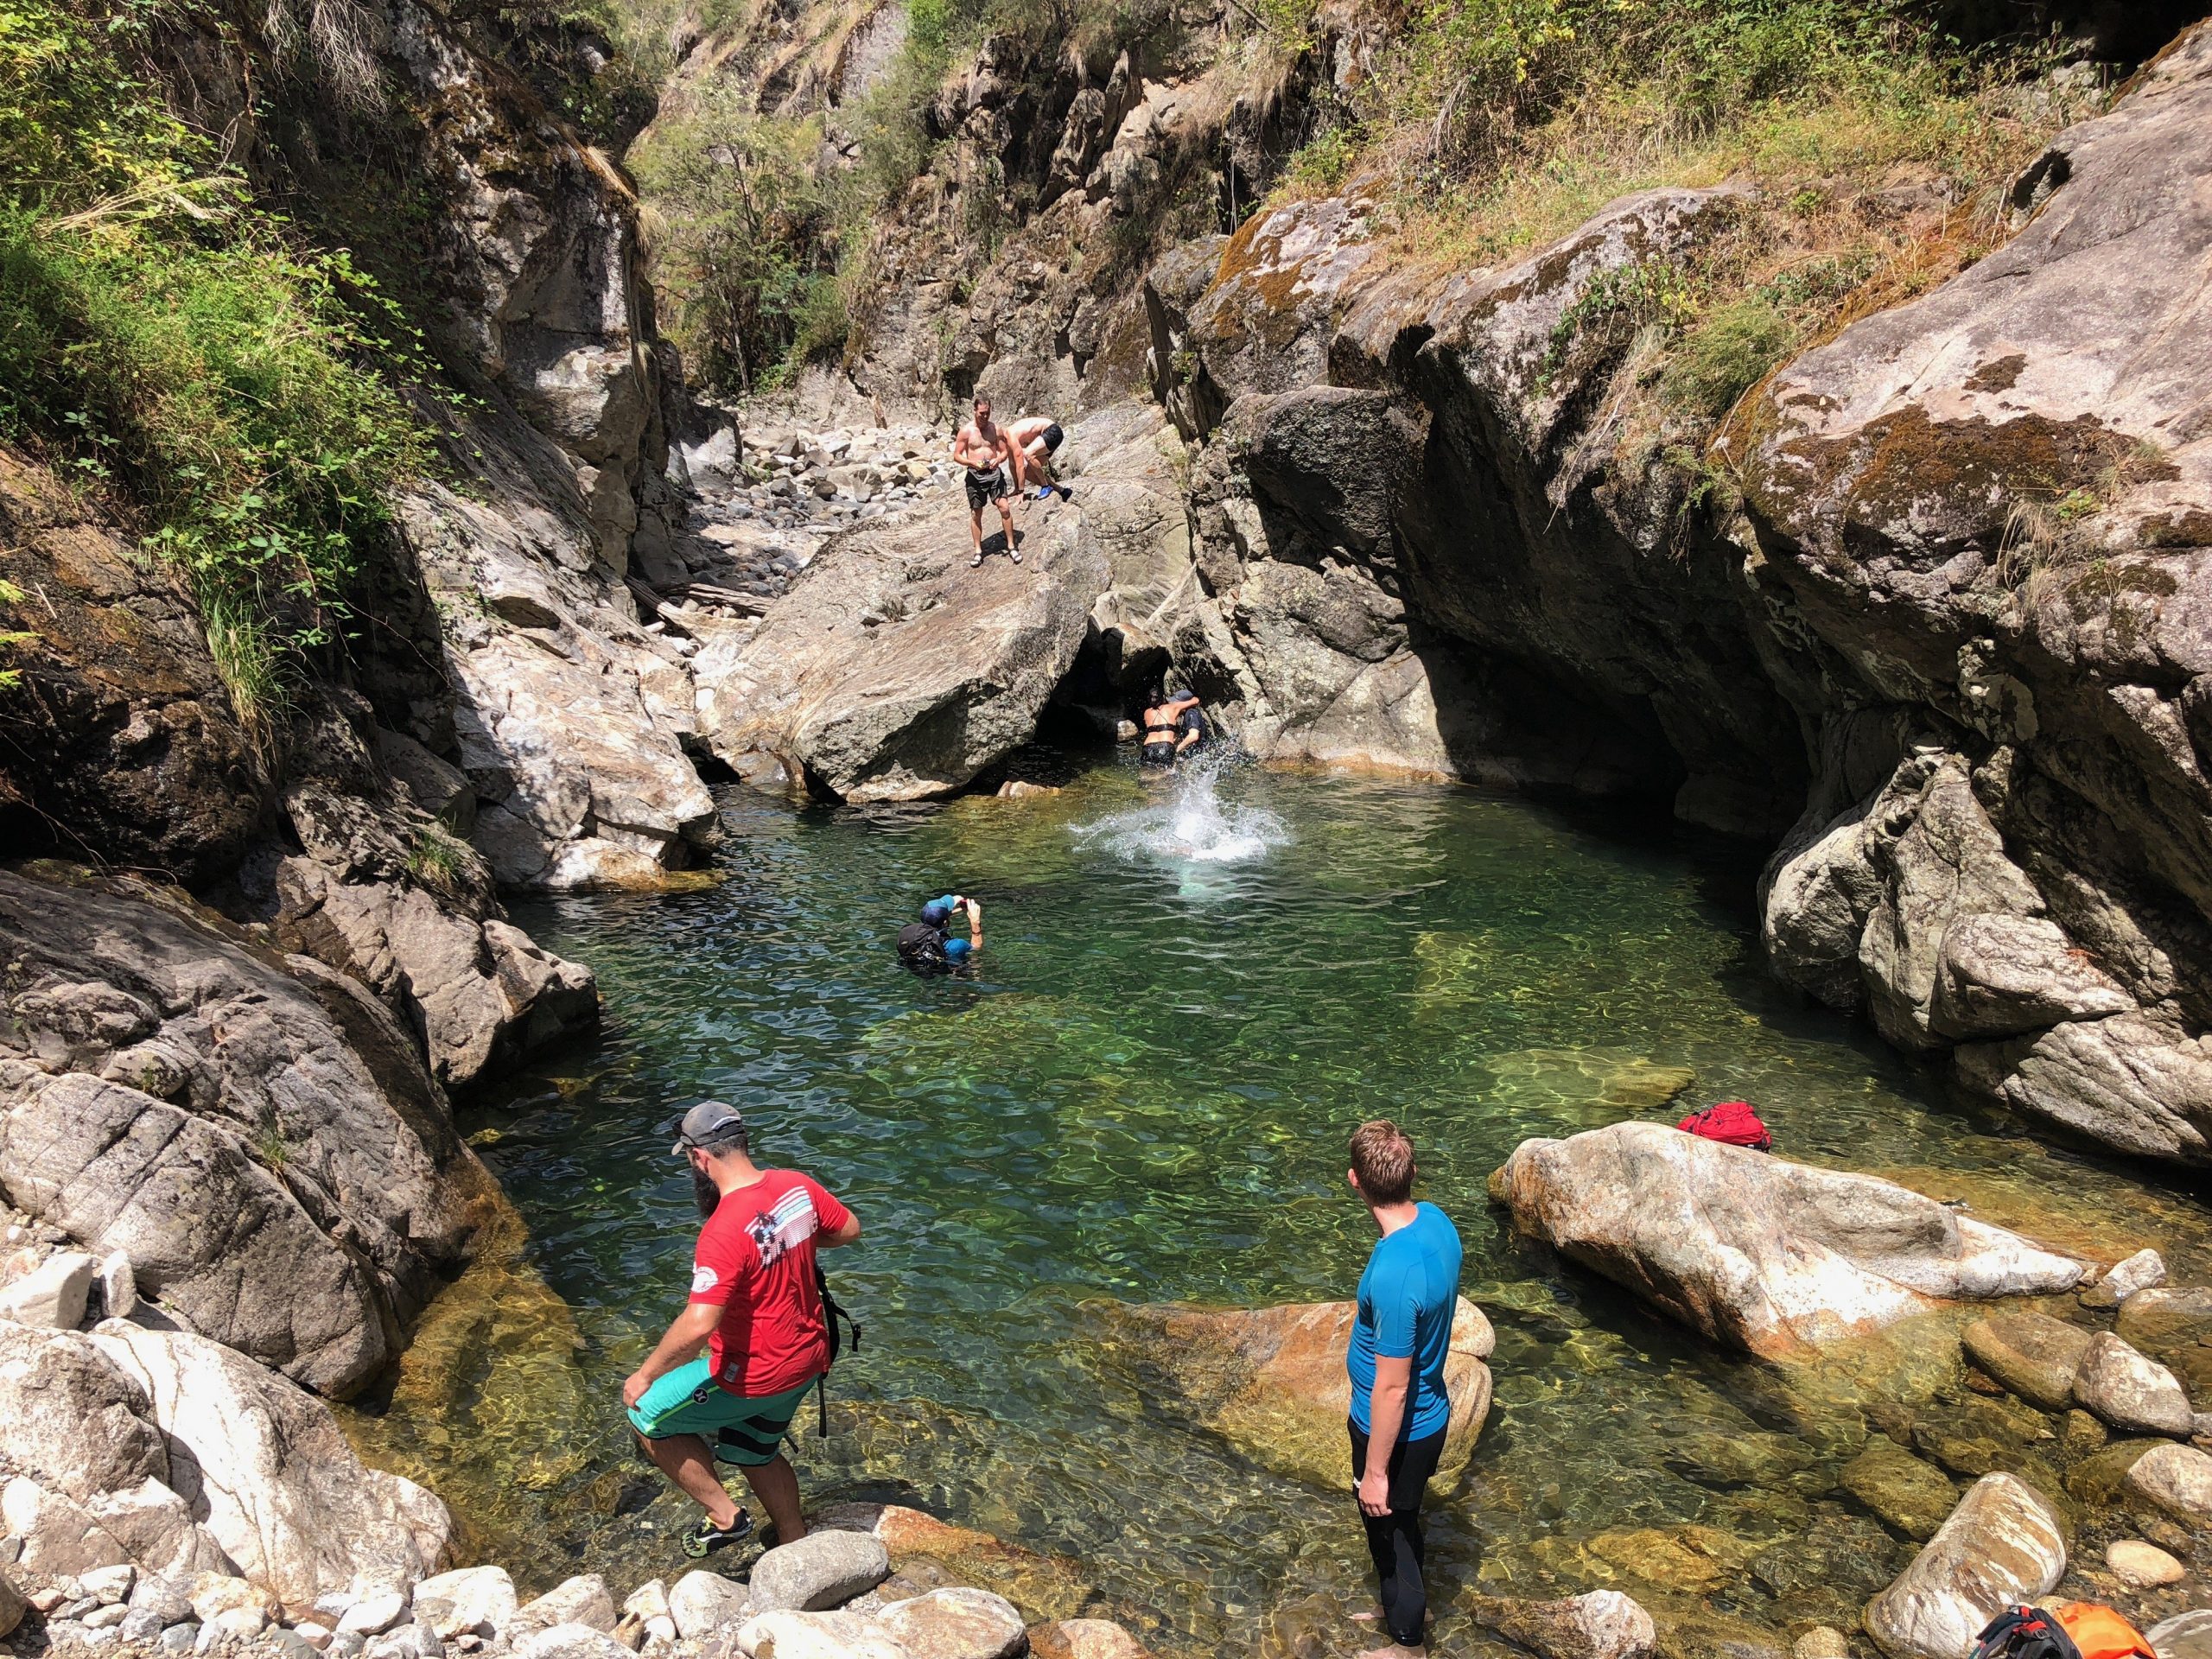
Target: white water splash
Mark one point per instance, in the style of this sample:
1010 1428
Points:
1189 826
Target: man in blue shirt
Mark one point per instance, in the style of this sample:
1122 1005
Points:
1399 1342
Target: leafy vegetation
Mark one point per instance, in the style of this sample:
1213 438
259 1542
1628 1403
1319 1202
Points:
180 354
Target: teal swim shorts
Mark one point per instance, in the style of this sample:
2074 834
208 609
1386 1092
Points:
687 1401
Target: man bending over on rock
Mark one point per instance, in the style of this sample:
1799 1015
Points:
983 447
1038 438
1399 1341
756 1308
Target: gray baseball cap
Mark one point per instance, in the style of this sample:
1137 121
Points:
707 1124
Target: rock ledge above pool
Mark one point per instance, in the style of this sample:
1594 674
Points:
1756 1251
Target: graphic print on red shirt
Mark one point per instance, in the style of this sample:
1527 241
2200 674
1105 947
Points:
755 1262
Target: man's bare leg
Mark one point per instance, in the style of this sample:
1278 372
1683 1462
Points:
975 534
776 1485
685 1459
1006 518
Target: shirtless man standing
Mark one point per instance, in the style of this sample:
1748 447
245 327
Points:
981 447
1038 438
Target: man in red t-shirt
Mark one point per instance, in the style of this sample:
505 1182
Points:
758 1310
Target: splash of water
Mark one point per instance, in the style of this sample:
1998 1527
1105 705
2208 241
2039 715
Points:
1190 826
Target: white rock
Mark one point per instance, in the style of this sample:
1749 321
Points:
52 1294
823 1569
789 1634
2145 1270
213 1594
702 1603
481 1600
2001 1545
583 1600
109 1585
570 1641
374 1614
648 1600
118 1283
2176 1479
106 1617
955 1623
660 1628
2130 1391
2141 1565
239 1622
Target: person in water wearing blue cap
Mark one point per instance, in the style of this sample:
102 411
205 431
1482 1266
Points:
930 943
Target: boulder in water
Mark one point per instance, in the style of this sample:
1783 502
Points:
1084 1638
2002 1544
2030 1353
1272 1380
2145 1270
1914 1497
2176 1479
1754 1250
1603 1624
826 1569
2131 1392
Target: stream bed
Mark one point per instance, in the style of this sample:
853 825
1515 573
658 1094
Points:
1141 1095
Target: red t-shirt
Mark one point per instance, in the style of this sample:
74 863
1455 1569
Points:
755 1262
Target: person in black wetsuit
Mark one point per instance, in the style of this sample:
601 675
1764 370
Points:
1190 728
929 945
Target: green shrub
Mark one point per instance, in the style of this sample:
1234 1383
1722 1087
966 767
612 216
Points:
182 354
1727 353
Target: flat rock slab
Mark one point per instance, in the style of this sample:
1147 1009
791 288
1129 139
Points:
2002 1545
2032 1354
1756 1251
891 670
1272 1379
823 1569
1084 1638
1604 1624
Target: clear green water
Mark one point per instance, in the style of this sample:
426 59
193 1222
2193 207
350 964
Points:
1141 1097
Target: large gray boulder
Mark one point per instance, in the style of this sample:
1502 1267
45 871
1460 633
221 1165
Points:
2002 1545
2134 1394
255 1132
265 1464
893 672
481 993
1754 1250
1991 508
823 1569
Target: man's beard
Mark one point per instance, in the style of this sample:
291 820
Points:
704 1192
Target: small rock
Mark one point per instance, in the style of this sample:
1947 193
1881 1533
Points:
823 1569
955 1623
790 1634
374 1614
2176 1479
242 1623
481 1600
2130 1390
288 1644
583 1600
179 1638
2082 1433
318 1636
1603 1624
660 1628
139 1627
1821 1643
52 1294
702 1603
118 1284
106 1617
1084 1638
2145 1270
108 1584
648 1600
415 1641
2032 1354
160 1598
2141 1565
213 1594
570 1641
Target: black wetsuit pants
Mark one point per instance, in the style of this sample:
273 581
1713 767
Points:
1393 1540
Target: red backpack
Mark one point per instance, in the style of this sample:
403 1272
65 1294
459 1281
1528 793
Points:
1732 1122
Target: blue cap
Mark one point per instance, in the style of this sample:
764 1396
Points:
939 911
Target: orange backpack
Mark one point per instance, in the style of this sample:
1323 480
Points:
2099 1632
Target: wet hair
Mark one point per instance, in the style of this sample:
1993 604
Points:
980 401
1383 1158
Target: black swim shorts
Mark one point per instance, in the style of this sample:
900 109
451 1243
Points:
983 488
